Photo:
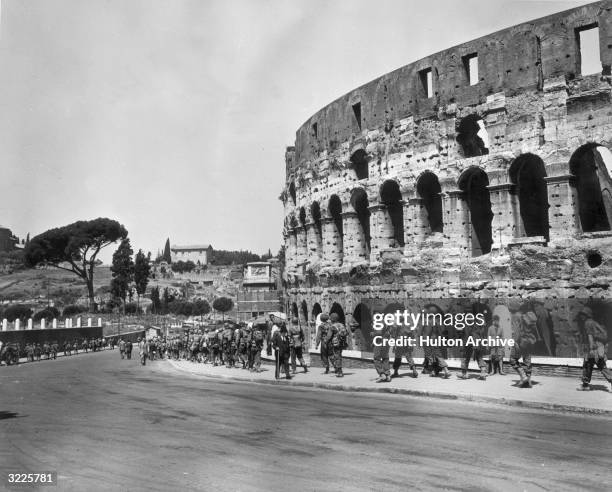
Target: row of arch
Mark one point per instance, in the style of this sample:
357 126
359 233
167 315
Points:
590 166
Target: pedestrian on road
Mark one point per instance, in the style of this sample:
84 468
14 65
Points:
297 339
496 355
381 353
337 339
524 332
594 338
282 351
404 351
321 340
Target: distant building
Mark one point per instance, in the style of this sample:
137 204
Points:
7 240
259 295
199 253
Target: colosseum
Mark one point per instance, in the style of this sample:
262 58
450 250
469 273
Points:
481 172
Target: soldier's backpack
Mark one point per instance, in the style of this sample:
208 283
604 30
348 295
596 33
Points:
340 339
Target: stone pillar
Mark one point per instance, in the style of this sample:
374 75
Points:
301 245
88 322
313 241
17 324
381 230
4 324
503 229
416 223
30 324
354 243
291 250
43 323
100 322
54 323
563 214
79 322
332 243
66 323
455 215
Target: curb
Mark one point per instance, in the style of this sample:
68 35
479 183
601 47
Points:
556 407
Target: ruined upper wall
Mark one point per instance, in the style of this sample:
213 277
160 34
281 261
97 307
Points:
514 60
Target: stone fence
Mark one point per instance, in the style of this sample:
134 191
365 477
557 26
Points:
78 322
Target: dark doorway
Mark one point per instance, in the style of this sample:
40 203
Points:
428 189
473 183
336 308
527 173
335 211
469 135
305 311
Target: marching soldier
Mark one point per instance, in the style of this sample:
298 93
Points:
434 362
471 351
497 352
122 348
29 350
404 351
54 349
37 351
594 338
46 350
524 332
297 339
321 340
256 342
337 337
381 354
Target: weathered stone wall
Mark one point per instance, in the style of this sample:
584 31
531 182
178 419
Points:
483 190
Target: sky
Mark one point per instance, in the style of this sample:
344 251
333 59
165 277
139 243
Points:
172 117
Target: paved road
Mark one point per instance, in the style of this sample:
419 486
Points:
107 424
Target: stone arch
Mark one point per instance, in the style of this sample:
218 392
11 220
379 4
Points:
334 209
474 183
294 310
316 310
472 136
359 162
363 318
302 216
359 202
304 307
337 308
315 213
428 189
391 197
292 192
591 167
527 172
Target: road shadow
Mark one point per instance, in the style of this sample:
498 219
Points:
599 387
9 415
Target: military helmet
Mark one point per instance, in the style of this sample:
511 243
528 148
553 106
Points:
324 317
334 317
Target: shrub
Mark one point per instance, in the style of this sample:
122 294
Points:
73 309
48 314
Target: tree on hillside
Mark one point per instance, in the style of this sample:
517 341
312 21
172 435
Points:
223 305
122 271
155 300
75 248
167 256
142 272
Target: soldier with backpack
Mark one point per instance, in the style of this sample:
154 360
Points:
322 333
296 335
337 339
594 338
257 342
524 332
128 349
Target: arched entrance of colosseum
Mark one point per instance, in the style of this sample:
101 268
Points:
360 204
592 166
527 172
391 198
337 308
315 213
473 182
363 336
472 136
359 162
428 189
292 193
336 240
304 312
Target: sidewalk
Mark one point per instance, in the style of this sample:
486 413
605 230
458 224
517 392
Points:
551 393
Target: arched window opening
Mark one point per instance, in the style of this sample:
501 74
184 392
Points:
305 311
428 189
359 202
315 212
292 192
336 308
294 310
472 136
391 197
359 161
316 310
527 172
592 164
474 184
335 211
302 216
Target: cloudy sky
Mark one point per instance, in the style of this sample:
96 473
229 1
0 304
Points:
173 116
